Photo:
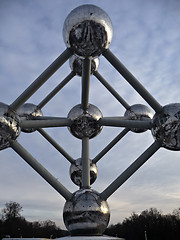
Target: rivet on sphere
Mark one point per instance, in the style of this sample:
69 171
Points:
85 124
9 126
87 30
167 126
138 112
86 213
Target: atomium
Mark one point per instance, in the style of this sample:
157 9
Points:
138 112
75 63
88 31
76 172
9 126
29 111
166 126
86 213
85 123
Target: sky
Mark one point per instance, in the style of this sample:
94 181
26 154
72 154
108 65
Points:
146 39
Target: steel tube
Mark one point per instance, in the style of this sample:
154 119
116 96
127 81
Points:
56 145
124 122
60 122
85 163
56 90
132 80
110 145
86 71
130 170
41 79
44 173
111 89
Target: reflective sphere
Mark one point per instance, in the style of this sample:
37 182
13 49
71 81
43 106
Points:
75 63
138 112
87 30
86 213
9 126
85 124
167 126
27 112
76 172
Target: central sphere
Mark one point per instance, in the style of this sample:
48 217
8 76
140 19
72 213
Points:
86 213
167 126
88 31
85 124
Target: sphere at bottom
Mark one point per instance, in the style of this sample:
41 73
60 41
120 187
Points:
86 213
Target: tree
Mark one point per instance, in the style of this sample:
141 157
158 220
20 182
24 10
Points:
11 211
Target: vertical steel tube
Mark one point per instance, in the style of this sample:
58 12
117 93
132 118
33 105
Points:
86 71
130 170
85 163
132 80
40 170
111 90
41 79
56 90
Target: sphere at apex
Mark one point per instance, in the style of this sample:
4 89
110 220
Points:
86 213
138 112
76 172
29 111
87 30
166 126
85 124
76 62
9 126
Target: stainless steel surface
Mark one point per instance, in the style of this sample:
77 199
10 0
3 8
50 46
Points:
167 126
138 112
86 213
75 63
29 111
9 126
75 172
87 30
85 124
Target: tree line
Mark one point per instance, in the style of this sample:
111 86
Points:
148 225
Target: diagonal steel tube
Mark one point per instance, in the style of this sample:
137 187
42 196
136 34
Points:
56 90
130 170
86 71
124 122
56 145
59 122
85 163
111 89
41 79
132 80
44 173
110 145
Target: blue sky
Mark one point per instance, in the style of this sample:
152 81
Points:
147 40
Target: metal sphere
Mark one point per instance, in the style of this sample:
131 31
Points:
27 112
76 172
138 112
166 126
75 63
87 30
85 124
86 213
9 126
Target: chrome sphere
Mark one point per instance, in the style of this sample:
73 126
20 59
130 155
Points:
166 126
75 63
86 213
138 112
9 126
87 30
76 172
27 112
85 124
